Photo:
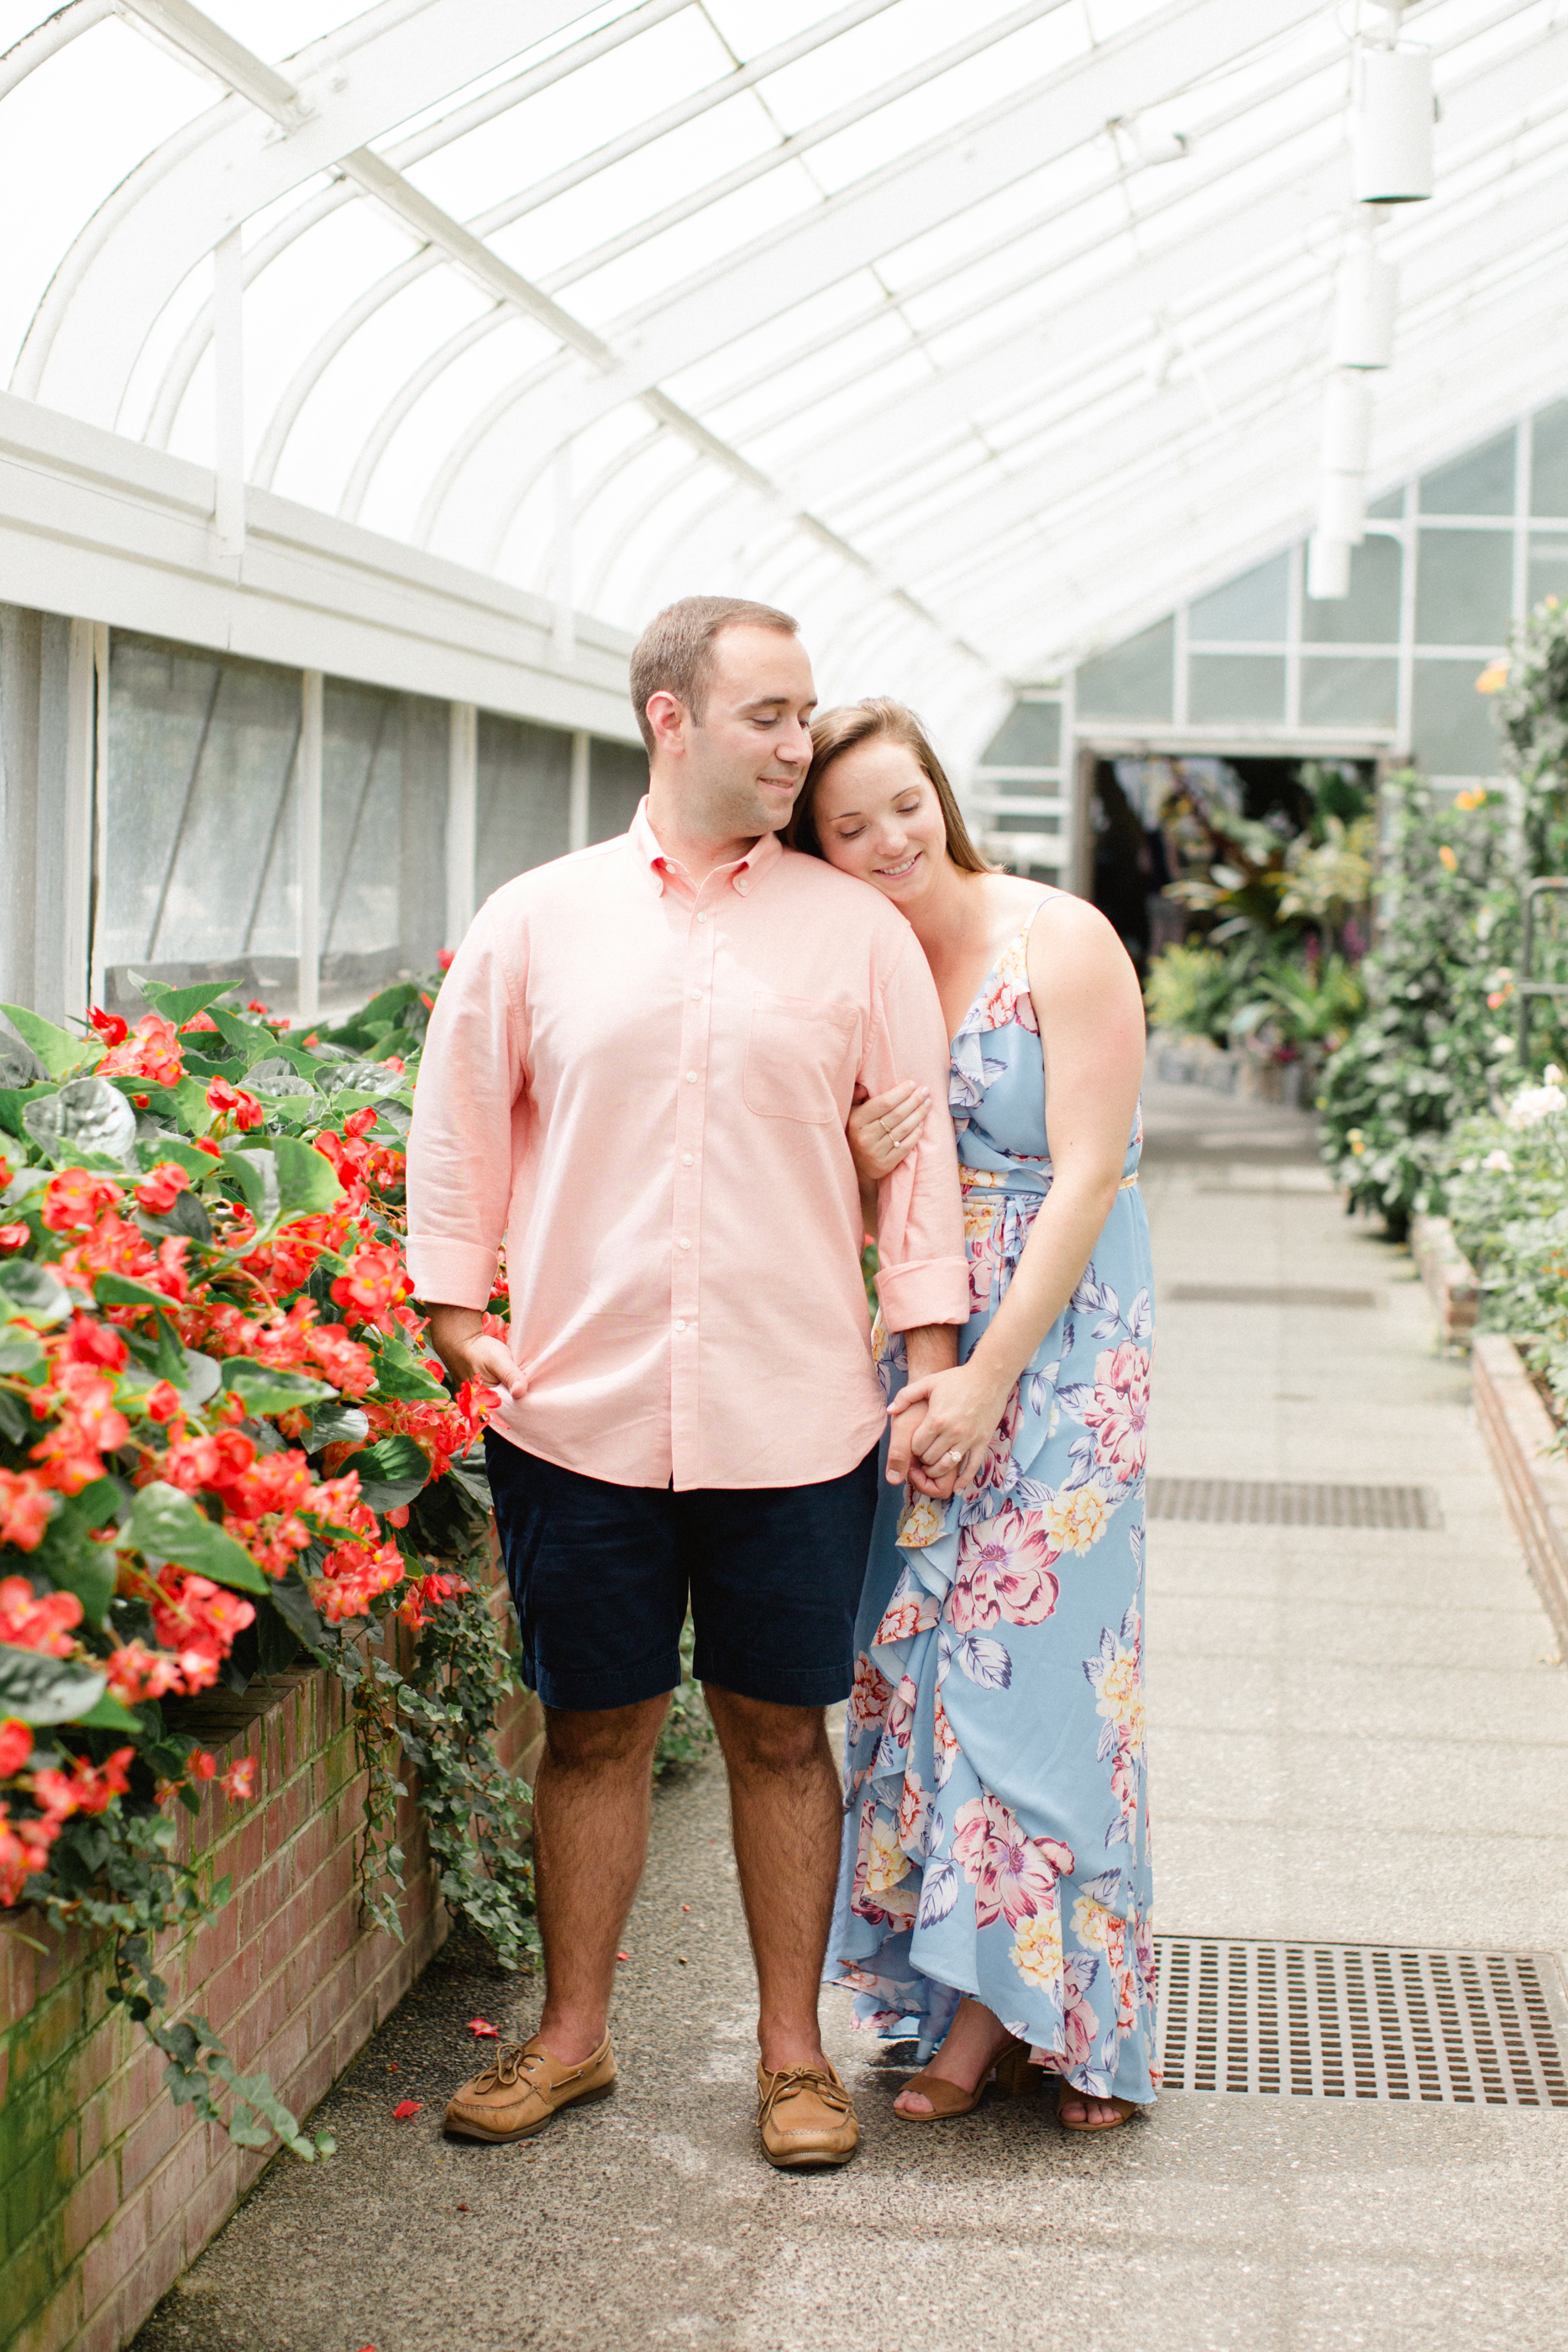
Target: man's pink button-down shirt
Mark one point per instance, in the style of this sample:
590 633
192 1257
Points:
641 1088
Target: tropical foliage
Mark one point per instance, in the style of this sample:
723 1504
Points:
224 1439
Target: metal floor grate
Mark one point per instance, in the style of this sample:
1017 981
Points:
1282 1502
1278 1294
1363 2021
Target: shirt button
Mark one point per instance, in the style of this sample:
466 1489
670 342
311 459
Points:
680 1322
702 918
685 1159
691 1078
685 1243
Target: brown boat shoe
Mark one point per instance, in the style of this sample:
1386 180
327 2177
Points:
520 2090
806 2117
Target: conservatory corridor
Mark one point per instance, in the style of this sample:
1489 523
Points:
1360 1736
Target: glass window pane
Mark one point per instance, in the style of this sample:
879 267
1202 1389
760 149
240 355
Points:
1237 685
1132 680
201 859
1369 615
1338 690
1452 730
1479 483
1549 461
617 780
1255 605
524 800
1029 737
1463 586
1389 508
383 837
1548 570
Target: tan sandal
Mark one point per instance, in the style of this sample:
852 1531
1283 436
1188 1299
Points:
1125 2108
950 2099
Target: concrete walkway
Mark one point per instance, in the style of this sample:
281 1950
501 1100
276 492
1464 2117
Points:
1356 1737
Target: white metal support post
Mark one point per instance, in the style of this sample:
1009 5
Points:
577 807
310 731
81 765
228 382
563 644
462 819
99 891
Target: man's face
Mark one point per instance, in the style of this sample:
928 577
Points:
744 763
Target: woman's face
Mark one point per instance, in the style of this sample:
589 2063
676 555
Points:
879 818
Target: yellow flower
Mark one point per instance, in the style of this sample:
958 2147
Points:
1446 857
1474 799
887 1865
1036 1949
1494 677
920 1523
1122 1697
1077 1521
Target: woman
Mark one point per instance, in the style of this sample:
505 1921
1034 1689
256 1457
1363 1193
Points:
995 1880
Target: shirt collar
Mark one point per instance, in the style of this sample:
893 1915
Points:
763 853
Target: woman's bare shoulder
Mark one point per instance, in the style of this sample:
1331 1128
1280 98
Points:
1071 945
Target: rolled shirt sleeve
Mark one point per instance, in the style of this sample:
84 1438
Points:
470 1099
923 1275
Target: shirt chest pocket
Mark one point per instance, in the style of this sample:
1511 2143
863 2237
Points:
797 1058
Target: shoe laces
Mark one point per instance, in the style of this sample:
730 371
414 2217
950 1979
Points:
511 2063
792 2079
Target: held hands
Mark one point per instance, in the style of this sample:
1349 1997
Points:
942 1450
458 1337
885 1129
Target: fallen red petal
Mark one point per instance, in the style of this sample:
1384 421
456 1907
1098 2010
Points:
623 1956
482 2025
406 2107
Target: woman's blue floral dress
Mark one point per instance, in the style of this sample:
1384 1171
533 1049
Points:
996 1829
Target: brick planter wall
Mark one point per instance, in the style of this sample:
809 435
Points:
1449 1277
107 2191
1521 1440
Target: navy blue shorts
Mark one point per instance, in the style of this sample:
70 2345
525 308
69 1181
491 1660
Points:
601 1577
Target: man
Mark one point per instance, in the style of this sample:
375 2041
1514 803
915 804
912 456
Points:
637 1077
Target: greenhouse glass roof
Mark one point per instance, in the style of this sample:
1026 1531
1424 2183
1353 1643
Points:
976 337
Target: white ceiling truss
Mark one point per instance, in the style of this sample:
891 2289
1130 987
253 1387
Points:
980 337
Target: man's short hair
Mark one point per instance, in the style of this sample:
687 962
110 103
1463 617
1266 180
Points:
675 653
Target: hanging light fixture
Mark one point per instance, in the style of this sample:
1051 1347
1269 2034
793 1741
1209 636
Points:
1347 422
1393 125
1341 506
1363 332
1328 568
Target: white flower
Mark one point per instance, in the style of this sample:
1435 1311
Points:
1552 1075
1530 1105
1500 1045
1499 1162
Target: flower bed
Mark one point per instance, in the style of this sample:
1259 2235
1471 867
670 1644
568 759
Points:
228 1469
1526 1448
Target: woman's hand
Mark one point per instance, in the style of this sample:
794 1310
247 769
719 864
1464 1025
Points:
883 1131
962 1411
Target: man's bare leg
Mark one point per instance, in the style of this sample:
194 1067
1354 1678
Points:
592 1800
787 1811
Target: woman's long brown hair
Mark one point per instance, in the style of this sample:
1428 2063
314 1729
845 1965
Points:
834 732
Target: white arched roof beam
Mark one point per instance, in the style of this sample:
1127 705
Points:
1532 84
1113 465
978 158
559 183
354 86
401 155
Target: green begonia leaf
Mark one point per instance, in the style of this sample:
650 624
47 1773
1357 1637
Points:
77 1565
307 1181
392 1472
197 1165
166 1525
262 1389
256 1174
46 1690
27 1289
108 1714
179 1004
58 1051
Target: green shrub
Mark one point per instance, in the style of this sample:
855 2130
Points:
1507 1183
1431 1045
